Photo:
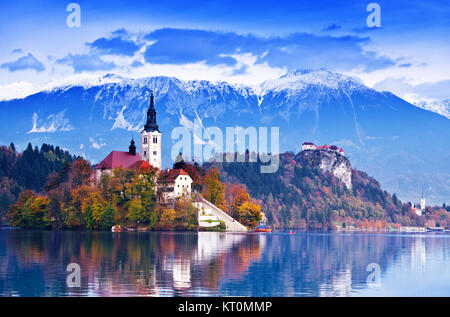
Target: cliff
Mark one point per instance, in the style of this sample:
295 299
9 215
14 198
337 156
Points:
317 190
329 161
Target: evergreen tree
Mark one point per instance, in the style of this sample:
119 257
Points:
179 161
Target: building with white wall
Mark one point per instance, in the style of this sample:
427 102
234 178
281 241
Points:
175 183
151 138
308 146
326 147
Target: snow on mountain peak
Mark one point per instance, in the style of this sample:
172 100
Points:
296 80
440 107
301 79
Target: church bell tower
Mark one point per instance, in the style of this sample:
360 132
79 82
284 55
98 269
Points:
422 202
151 137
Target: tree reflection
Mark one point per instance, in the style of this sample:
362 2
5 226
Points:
33 263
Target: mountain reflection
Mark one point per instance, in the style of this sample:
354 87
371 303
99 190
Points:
34 263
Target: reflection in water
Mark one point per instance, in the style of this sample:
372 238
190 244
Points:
33 263
418 253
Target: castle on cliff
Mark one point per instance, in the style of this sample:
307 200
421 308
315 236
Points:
329 158
312 146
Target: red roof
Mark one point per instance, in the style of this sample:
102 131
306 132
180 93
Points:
171 175
116 159
140 165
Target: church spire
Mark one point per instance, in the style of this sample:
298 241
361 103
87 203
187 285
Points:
151 124
132 147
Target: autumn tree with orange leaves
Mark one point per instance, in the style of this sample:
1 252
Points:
80 173
235 195
213 189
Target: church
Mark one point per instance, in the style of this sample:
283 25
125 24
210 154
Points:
180 183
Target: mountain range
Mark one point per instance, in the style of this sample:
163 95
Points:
402 145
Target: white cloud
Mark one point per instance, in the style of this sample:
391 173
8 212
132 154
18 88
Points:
96 145
255 73
20 89
427 91
23 89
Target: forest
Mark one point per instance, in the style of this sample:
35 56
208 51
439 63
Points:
69 197
48 188
301 195
28 170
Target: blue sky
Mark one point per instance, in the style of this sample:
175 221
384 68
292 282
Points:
245 42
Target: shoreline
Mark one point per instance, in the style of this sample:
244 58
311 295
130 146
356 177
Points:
289 231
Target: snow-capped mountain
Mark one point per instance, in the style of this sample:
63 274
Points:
441 107
400 144
298 80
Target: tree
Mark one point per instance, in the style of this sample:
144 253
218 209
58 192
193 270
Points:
250 214
235 195
54 210
17 212
38 217
137 213
141 191
213 190
29 211
64 171
80 172
167 219
11 147
89 219
106 219
186 215
53 181
120 184
179 161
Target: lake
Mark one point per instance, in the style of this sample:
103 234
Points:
34 263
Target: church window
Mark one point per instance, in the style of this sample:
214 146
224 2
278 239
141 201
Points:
154 152
155 140
145 153
145 140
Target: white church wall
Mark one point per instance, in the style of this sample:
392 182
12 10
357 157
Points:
151 150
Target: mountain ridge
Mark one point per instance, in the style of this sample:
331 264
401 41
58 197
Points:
397 142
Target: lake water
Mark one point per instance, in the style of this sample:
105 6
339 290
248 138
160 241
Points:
34 263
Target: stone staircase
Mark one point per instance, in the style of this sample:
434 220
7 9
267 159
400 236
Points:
209 211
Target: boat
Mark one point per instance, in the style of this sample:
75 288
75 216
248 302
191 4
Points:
118 228
291 232
435 229
263 230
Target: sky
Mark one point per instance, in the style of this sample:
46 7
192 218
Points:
236 41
